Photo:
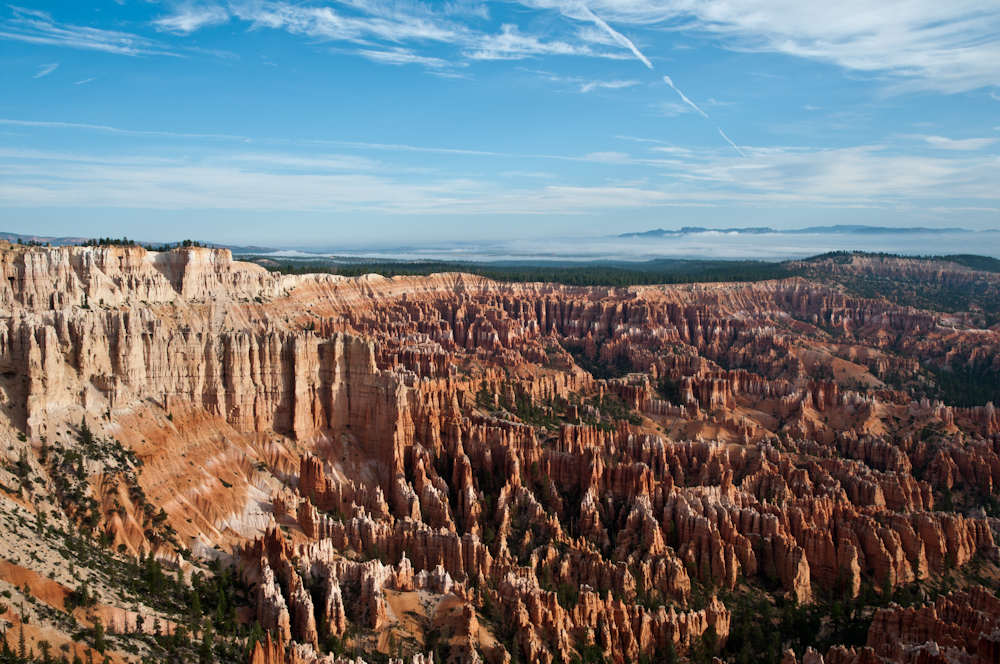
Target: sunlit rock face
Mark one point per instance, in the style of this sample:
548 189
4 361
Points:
527 469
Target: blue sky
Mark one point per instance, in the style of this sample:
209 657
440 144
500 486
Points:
365 122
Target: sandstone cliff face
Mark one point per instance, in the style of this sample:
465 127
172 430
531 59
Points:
54 279
436 435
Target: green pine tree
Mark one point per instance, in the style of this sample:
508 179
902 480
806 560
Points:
86 437
205 654
196 611
99 644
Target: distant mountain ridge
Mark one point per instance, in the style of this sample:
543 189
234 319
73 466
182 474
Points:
764 230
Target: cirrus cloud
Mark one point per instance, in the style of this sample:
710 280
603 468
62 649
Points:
945 46
189 17
38 27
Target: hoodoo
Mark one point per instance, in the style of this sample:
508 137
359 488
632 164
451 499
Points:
204 454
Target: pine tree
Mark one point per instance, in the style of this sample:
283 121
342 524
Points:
99 644
86 437
205 655
196 611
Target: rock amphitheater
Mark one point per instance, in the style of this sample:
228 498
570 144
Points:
380 460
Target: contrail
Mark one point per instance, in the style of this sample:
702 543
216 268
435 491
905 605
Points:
617 36
668 81
730 142
627 43
684 97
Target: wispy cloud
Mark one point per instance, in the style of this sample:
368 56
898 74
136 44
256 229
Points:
402 56
391 23
963 144
189 17
390 32
241 183
607 85
949 47
584 85
946 46
113 130
225 55
671 108
862 174
673 150
399 23
858 176
381 147
38 27
512 44
528 174
608 157
45 70
312 163
86 80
